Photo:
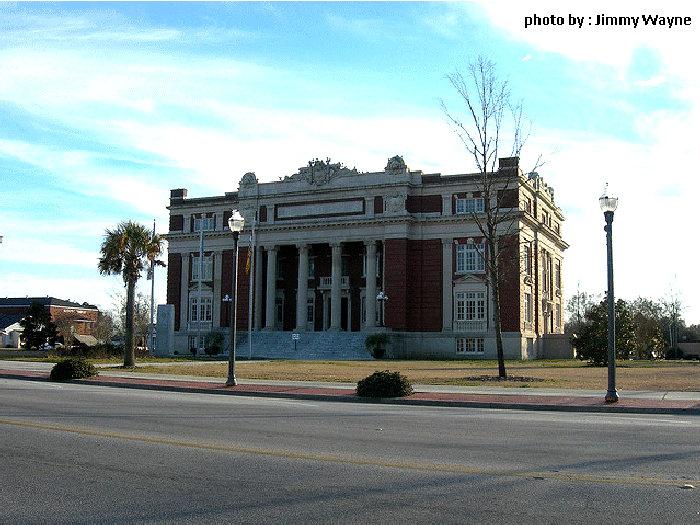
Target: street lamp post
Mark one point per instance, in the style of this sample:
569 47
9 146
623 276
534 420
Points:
382 297
235 224
608 205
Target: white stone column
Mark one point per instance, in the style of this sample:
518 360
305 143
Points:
271 287
447 299
216 274
258 287
371 284
336 266
302 286
369 206
447 204
185 293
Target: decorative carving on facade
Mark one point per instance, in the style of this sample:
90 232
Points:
319 172
395 204
248 213
249 179
396 164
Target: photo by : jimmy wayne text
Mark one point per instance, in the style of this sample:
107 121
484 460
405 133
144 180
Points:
604 20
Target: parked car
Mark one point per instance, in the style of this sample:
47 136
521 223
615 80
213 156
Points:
47 346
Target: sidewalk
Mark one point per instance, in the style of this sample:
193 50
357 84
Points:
685 403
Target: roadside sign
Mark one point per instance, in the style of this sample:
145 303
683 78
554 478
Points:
296 336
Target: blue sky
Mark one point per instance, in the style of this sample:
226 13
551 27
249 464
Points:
104 107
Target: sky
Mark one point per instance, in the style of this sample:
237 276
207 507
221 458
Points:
104 107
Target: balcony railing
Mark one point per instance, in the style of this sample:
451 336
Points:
204 326
470 326
326 282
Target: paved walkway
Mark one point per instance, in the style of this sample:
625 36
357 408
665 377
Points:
430 395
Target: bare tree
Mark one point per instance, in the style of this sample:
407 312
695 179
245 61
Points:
487 102
141 319
66 326
105 327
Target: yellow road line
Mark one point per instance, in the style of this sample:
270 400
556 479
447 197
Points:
448 468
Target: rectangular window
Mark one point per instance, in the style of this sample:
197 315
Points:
471 345
527 259
471 306
279 311
528 205
528 308
312 268
200 309
470 257
309 310
363 310
208 267
469 205
558 275
203 224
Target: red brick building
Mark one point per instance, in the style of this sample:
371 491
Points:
328 239
80 318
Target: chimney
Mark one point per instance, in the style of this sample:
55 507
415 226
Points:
178 195
508 163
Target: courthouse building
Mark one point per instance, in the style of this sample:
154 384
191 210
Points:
329 240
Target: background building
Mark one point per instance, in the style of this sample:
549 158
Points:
81 319
329 238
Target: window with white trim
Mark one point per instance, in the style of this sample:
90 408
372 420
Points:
200 309
470 257
207 267
312 268
470 306
310 311
528 307
527 259
470 345
469 205
203 224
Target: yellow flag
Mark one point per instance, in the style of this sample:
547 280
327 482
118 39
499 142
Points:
247 262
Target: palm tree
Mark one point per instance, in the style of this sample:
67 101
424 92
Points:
127 250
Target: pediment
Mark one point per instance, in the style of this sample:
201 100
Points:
471 278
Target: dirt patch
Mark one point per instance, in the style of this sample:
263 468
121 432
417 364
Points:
511 379
632 375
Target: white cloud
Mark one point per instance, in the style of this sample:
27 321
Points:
38 250
94 289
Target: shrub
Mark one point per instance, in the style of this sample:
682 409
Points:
213 343
72 368
376 345
384 384
674 353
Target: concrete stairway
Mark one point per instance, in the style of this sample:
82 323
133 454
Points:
311 345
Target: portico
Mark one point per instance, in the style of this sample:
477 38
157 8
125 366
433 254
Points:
332 291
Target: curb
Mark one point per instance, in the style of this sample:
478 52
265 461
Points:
613 409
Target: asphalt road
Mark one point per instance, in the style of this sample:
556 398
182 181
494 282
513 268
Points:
88 454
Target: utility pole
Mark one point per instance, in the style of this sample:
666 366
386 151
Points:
200 310
152 277
251 284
